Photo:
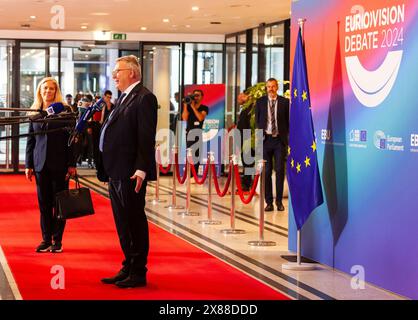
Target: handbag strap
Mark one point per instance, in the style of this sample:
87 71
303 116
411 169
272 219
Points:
77 182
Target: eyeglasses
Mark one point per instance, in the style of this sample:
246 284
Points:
115 72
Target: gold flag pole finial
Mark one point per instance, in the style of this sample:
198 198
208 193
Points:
301 23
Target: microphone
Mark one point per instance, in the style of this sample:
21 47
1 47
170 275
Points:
98 106
55 108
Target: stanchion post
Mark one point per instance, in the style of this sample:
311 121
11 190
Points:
260 242
189 188
211 159
173 204
232 230
157 199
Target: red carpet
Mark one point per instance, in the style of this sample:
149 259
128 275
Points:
177 270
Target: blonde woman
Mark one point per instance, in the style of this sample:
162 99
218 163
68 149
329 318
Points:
52 162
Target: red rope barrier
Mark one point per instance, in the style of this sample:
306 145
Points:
181 180
215 180
196 178
158 159
165 170
239 186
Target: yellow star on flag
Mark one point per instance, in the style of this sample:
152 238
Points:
313 146
288 150
298 168
304 96
307 162
292 163
295 93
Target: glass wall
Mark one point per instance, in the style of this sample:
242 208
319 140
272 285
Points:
242 62
203 63
162 74
274 41
260 55
86 68
37 61
231 80
254 74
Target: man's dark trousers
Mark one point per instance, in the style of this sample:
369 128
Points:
274 147
131 223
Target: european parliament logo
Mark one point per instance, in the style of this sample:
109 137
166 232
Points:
383 141
380 140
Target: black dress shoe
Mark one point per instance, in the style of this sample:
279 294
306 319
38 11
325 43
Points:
122 275
132 282
280 206
269 207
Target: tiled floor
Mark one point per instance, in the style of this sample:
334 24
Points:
263 263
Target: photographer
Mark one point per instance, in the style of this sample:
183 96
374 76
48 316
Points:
195 113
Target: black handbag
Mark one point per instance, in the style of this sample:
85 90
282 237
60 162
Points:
74 203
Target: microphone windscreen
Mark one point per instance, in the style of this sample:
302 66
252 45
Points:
55 108
99 105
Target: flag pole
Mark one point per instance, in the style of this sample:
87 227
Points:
299 266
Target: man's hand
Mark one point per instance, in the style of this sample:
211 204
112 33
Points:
72 172
138 182
29 174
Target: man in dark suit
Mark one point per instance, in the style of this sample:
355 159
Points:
127 141
272 116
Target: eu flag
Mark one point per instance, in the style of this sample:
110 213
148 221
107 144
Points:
302 163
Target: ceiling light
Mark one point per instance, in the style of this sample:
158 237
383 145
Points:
195 8
33 17
239 6
187 25
83 27
165 20
143 28
99 14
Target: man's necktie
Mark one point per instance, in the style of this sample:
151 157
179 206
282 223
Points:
273 117
116 109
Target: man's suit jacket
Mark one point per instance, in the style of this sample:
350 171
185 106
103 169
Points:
49 150
261 116
129 141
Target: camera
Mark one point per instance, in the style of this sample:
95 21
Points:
188 99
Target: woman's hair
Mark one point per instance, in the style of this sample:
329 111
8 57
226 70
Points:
38 98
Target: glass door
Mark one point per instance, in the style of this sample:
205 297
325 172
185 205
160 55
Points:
37 60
